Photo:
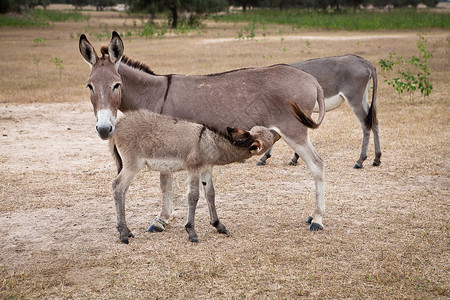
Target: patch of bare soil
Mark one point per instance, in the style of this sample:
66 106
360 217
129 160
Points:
386 229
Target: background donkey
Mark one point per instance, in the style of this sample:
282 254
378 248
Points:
240 98
346 78
167 144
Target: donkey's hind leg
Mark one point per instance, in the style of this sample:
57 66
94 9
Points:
120 187
160 222
364 147
316 167
208 187
376 141
360 106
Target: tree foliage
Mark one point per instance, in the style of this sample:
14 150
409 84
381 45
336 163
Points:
176 6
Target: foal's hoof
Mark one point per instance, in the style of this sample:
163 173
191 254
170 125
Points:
261 163
357 166
315 227
309 220
376 163
194 239
293 163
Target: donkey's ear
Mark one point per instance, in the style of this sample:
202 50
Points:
238 134
255 147
87 51
115 49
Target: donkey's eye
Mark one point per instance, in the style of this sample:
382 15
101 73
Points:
116 86
90 87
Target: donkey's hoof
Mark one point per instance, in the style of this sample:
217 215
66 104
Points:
222 230
261 163
357 166
194 240
157 225
376 163
309 220
154 228
293 163
124 237
315 227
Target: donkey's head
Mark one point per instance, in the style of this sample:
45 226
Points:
104 82
258 140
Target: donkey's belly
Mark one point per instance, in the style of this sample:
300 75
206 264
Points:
166 165
331 102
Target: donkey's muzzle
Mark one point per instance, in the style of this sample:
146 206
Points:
104 126
104 132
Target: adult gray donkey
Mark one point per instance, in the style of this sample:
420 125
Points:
240 98
346 78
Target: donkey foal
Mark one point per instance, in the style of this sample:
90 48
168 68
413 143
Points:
168 145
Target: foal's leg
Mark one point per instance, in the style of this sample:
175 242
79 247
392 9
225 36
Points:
308 154
207 183
120 187
160 222
265 157
192 201
294 160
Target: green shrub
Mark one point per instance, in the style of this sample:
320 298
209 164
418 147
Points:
414 74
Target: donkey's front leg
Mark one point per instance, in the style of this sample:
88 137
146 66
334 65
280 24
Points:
120 186
160 222
192 201
211 200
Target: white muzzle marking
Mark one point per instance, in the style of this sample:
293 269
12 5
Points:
105 124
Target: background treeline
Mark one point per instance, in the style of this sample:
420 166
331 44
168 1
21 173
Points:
175 7
154 6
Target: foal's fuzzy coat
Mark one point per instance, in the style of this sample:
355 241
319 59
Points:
167 144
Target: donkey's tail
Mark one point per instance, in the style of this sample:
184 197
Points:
116 155
371 118
306 120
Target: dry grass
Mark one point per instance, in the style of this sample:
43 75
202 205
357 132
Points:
386 230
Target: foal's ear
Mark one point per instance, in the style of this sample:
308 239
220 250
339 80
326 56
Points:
238 134
255 147
115 49
87 51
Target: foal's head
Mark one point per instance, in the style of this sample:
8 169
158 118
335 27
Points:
104 82
258 140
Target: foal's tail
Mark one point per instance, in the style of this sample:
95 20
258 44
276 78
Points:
116 155
371 118
306 120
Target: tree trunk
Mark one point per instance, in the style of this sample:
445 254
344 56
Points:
173 9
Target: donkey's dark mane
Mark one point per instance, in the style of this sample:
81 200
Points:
131 62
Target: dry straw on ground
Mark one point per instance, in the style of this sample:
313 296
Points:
386 230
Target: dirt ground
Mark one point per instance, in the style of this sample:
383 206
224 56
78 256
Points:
386 230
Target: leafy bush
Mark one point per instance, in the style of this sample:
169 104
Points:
413 73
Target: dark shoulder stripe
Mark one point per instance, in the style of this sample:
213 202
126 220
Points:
202 131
